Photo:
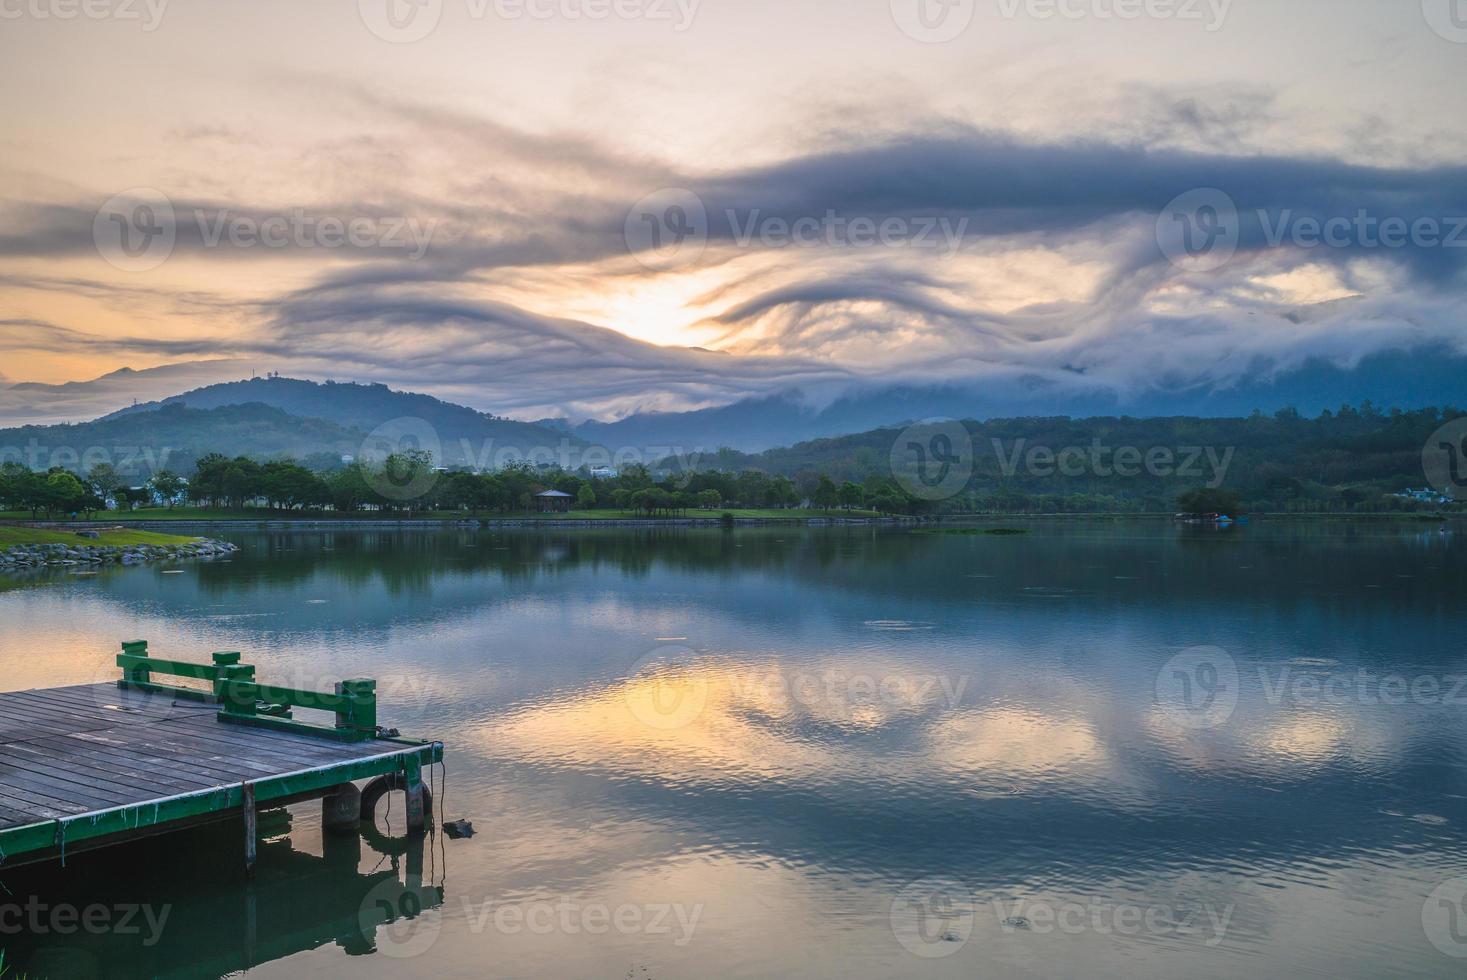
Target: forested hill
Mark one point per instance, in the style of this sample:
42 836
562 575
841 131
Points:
1354 453
173 437
365 407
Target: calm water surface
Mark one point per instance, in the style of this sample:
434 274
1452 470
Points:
1127 750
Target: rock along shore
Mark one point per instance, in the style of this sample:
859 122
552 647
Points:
26 556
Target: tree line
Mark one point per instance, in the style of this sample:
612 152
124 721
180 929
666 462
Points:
405 483
1350 460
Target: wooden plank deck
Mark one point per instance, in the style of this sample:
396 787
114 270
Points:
100 760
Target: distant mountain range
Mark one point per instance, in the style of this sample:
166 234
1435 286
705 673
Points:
274 415
1403 379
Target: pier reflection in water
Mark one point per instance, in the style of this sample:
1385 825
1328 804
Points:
778 733
179 905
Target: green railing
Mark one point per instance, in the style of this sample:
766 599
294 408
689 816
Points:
243 701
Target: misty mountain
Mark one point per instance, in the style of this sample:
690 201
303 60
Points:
36 403
1404 379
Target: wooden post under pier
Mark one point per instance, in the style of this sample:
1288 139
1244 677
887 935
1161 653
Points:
251 828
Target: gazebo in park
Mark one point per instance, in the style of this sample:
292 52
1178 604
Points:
553 502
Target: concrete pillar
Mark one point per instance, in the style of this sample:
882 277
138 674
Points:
417 822
341 809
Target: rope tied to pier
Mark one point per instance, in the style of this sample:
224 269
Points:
61 839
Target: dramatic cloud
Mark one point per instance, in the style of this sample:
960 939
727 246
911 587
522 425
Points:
535 259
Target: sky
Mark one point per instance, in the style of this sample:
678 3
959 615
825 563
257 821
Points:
589 208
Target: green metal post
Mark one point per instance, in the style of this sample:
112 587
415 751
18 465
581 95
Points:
361 715
234 704
225 661
135 674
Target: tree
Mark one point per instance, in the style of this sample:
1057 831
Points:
104 481
826 495
169 486
9 472
404 479
710 499
851 495
348 489
64 493
586 497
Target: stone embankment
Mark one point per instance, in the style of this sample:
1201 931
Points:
24 556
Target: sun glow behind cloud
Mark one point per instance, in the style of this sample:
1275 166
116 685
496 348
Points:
523 145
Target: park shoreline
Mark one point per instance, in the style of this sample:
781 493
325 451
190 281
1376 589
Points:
272 524
27 557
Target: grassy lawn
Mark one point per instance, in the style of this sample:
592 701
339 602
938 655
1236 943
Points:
713 515
261 514
10 536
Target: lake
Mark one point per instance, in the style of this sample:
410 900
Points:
1096 749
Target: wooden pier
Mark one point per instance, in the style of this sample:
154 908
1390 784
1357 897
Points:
98 764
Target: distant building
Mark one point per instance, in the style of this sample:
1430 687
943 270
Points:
553 501
605 473
1423 496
